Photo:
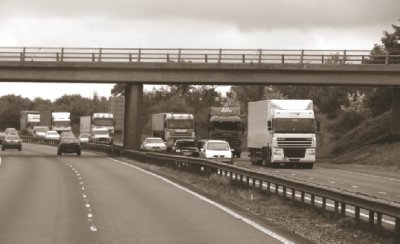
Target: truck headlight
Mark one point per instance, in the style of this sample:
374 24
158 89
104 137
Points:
277 152
311 152
274 142
314 142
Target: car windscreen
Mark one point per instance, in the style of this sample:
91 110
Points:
220 146
154 140
69 140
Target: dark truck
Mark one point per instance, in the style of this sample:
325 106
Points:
225 123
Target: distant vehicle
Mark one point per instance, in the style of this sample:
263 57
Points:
100 135
67 134
69 145
186 147
11 131
61 121
172 126
217 150
11 141
52 135
154 144
225 123
39 132
84 137
29 119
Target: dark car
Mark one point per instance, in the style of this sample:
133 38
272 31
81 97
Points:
11 141
186 147
69 144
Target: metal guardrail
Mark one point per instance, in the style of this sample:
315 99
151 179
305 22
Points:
167 55
376 208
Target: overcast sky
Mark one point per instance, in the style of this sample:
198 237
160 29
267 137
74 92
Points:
268 24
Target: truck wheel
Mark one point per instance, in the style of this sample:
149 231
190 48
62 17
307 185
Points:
308 166
238 154
59 153
78 153
2 148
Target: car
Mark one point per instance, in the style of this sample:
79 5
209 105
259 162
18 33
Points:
156 144
11 131
52 135
11 141
69 144
186 147
39 132
67 134
100 135
84 137
218 150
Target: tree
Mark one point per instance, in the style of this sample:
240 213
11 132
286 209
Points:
10 108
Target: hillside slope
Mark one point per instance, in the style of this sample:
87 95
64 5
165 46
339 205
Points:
369 143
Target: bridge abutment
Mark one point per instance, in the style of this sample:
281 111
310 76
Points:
133 116
396 113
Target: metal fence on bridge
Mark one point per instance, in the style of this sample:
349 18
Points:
166 55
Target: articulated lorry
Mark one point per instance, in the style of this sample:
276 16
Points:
28 120
172 126
61 121
100 126
224 123
282 132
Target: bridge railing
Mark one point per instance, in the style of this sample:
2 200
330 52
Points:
158 55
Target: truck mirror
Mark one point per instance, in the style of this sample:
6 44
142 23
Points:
318 126
269 125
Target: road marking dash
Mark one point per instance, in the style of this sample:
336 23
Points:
356 187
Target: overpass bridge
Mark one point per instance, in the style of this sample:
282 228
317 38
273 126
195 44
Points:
137 66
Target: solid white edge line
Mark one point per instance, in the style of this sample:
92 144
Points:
215 204
0 161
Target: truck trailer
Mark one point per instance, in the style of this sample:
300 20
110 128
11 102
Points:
224 123
172 126
29 119
100 126
61 121
282 132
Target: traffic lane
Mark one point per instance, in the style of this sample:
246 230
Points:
130 206
351 181
40 202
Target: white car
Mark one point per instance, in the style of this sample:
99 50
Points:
156 144
84 137
217 150
52 135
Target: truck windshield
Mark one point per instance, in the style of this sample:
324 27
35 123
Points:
231 126
180 124
294 125
62 123
103 122
100 132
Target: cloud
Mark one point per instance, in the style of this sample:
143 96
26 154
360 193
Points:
245 15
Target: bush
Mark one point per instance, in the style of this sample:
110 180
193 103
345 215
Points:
347 120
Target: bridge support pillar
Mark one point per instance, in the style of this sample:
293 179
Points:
133 116
396 113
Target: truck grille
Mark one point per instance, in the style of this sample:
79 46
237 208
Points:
181 135
294 152
294 142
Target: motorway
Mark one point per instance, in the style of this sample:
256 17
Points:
356 179
45 198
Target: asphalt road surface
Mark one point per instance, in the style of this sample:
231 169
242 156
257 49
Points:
46 198
356 179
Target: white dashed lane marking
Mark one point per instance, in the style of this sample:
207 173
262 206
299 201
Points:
85 198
